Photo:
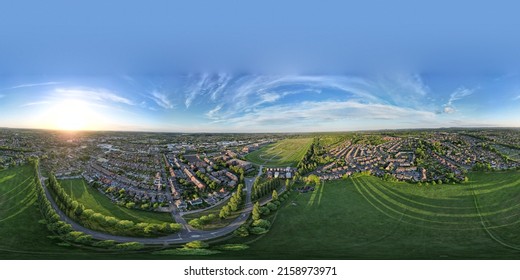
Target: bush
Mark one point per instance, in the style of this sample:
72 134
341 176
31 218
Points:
197 244
111 221
125 225
196 223
258 230
242 231
129 246
272 206
84 239
104 243
73 235
262 223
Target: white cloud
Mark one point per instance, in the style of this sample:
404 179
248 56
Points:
99 95
270 97
35 103
212 113
206 85
312 113
161 99
458 94
449 110
35 85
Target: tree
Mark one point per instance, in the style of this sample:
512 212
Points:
275 195
262 223
256 211
233 205
224 212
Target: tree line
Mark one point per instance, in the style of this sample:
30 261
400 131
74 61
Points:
233 204
262 189
64 230
312 158
97 221
258 225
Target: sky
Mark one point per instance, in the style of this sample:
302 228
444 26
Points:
258 66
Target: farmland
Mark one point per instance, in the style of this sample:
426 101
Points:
287 152
93 199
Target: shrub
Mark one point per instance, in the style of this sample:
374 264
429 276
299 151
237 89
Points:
262 223
71 236
124 224
242 231
258 230
197 244
272 206
195 223
84 239
104 243
129 246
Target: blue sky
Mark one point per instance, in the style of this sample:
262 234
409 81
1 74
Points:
255 66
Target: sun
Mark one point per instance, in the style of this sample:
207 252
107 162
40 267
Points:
70 115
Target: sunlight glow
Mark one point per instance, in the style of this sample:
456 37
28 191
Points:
70 115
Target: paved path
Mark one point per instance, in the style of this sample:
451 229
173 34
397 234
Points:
185 235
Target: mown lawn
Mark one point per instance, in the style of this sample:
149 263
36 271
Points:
287 152
361 218
366 218
93 199
22 233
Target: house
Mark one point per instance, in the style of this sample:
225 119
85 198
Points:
195 202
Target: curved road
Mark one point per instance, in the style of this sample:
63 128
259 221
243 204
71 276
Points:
186 234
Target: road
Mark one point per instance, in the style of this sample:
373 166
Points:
186 234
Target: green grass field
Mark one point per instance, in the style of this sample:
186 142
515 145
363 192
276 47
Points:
287 152
361 218
93 199
366 218
22 234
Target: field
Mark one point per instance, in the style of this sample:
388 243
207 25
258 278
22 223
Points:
21 232
366 218
93 199
287 152
360 218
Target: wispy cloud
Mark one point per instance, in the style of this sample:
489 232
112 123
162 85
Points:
212 113
517 98
35 103
208 85
99 95
35 85
308 114
458 94
161 99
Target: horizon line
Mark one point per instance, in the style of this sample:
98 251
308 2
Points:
288 132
